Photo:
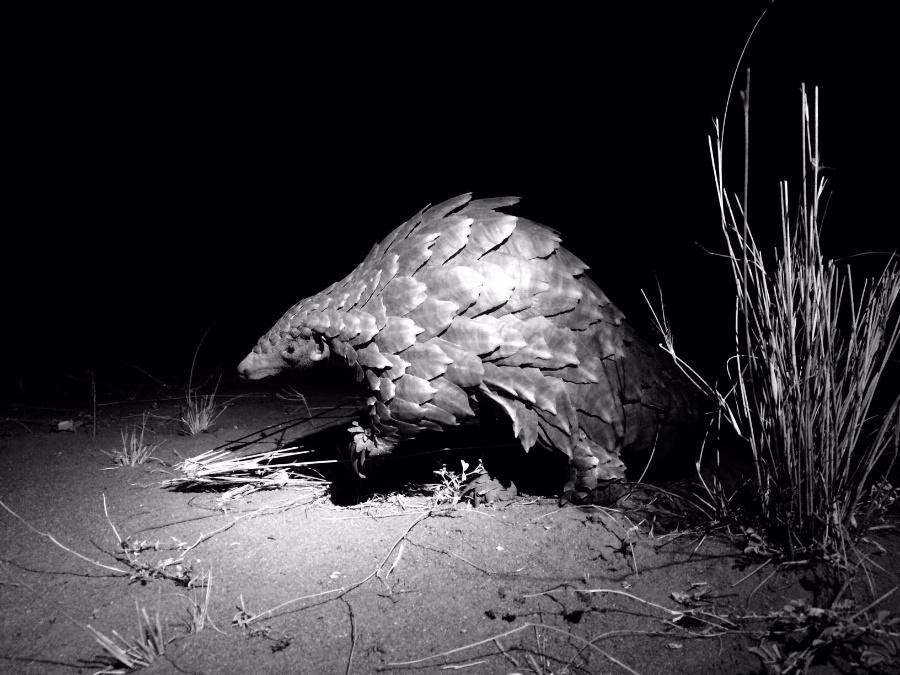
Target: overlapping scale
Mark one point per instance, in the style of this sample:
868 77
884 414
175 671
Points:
427 360
560 342
451 398
375 307
552 435
335 320
389 266
318 322
519 383
402 295
496 289
398 365
530 241
566 260
415 389
478 336
453 238
437 212
466 370
368 329
373 281
341 298
386 389
527 278
406 411
434 317
494 230
460 285
399 235
354 292
351 325
440 416
414 253
398 334
371 357
490 203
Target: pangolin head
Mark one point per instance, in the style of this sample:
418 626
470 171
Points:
278 350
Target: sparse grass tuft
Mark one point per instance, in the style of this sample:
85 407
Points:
811 348
134 450
198 605
132 653
199 412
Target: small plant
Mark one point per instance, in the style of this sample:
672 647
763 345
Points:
199 412
134 450
803 634
132 653
450 489
198 605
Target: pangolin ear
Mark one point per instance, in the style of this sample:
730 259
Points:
320 350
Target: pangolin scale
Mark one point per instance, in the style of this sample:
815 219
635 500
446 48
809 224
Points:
463 305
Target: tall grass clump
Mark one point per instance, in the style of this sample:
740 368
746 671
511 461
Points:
811 347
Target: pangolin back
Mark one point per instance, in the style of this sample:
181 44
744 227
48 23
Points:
465 303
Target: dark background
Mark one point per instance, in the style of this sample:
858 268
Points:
173 176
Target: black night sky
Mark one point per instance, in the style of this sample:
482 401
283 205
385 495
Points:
165 183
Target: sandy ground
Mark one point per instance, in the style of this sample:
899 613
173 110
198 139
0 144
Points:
393 584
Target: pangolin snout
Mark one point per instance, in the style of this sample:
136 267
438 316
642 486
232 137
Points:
245 368
257 366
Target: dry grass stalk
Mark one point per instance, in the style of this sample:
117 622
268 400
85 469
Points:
291 394
262 469
57 543
494 639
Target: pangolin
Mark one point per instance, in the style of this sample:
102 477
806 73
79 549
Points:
463 306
